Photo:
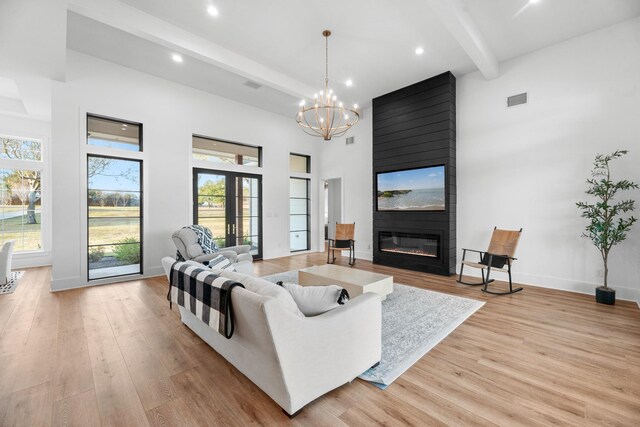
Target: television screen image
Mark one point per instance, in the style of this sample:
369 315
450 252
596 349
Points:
412 190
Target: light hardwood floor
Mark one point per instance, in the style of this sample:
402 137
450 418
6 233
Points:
116 355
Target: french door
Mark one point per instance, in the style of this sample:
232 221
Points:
230 204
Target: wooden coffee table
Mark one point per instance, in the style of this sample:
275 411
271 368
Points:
356 282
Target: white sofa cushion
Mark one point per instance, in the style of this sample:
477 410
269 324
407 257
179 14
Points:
264 288
314 300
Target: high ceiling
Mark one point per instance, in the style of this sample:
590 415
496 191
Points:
279 45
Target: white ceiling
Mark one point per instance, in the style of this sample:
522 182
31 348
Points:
94 38
515 27
279 43
372 42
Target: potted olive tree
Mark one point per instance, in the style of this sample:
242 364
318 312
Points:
607 225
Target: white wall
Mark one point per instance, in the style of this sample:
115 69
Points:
170 114
526 166
23 127
353 163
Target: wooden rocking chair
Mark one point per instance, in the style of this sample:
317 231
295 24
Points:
344 240
499 256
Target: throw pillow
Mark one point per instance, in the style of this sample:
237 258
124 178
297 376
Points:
265 288
205 239
315 300
220 262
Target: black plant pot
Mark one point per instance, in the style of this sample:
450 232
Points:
605 295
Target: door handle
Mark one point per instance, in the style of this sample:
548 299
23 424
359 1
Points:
234 229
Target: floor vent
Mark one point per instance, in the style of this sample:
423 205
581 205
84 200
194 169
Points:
518 99
252 84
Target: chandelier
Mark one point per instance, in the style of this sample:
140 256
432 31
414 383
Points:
326 116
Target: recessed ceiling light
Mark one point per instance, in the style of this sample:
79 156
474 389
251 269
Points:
212 10
419 50
349 83
177 58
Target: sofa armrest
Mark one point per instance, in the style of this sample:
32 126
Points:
240 249
320 353
232 256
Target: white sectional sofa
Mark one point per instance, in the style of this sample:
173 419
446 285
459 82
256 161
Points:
292 358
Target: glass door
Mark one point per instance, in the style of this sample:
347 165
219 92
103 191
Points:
230 204
210 204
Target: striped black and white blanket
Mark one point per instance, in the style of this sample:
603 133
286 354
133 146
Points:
205 294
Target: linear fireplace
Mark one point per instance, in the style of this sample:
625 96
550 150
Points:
426 245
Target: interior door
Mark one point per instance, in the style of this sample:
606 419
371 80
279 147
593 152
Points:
230 204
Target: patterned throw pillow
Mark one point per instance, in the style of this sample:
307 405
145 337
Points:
205 239
220 263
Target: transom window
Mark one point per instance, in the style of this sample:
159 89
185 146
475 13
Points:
299 163
213 150
114 133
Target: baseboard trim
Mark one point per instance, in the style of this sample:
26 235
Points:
625 294
69 283
66 283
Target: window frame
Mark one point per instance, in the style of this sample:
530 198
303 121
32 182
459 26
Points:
87 149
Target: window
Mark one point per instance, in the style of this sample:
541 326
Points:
213 150
21 169
299 163
299 219
114 195
114 198
113 133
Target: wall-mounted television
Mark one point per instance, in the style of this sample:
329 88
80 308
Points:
411 190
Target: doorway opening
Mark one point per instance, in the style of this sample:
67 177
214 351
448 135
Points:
332 206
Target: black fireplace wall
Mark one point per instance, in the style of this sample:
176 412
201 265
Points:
415 127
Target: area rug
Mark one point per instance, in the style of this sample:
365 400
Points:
10 287
413 322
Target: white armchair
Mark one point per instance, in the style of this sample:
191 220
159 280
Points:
5 261
186 242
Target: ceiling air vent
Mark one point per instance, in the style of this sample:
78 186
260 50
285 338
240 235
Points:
252 85
518 99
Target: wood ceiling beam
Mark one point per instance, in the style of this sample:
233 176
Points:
134 21
454 16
